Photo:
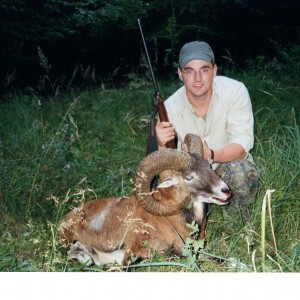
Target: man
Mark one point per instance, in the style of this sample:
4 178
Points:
219 110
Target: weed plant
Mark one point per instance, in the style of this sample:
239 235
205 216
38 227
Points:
58 152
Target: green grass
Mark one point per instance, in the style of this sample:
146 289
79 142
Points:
57 153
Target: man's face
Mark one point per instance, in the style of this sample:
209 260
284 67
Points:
197 76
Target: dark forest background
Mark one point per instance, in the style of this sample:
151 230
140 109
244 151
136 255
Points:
101 38
75 97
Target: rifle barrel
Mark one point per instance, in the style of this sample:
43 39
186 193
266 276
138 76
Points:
148 58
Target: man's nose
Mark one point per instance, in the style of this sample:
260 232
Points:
197 75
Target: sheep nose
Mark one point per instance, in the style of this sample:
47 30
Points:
227 192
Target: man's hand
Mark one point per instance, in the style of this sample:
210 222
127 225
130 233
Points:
165 132
206 149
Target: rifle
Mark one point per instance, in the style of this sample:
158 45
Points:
158 107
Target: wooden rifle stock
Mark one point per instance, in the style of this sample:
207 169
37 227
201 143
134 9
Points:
158 107
163 116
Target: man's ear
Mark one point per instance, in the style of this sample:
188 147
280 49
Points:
169 181
215 70
179 73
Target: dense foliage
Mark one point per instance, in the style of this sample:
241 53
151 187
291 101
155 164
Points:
103 35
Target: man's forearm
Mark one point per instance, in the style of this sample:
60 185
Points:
229 153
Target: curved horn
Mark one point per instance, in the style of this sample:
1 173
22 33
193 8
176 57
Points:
165 159
194 143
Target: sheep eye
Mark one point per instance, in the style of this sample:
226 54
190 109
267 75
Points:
189 177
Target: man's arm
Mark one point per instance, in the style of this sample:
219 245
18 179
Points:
225 154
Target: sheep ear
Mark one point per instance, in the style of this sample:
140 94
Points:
170 181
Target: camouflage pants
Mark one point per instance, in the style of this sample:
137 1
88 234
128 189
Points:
242 178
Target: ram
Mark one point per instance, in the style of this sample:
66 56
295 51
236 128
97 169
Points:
112 230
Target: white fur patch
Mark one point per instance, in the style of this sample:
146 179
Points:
104 258
80 252
217 192
199 211
98 221
83 255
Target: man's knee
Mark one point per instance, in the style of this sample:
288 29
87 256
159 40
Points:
242 177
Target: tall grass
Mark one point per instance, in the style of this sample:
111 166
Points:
57 153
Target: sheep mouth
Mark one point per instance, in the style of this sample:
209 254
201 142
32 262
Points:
225 201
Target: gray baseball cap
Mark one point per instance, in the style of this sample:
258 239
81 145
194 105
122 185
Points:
195 50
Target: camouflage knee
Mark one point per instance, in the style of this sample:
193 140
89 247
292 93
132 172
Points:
242 177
